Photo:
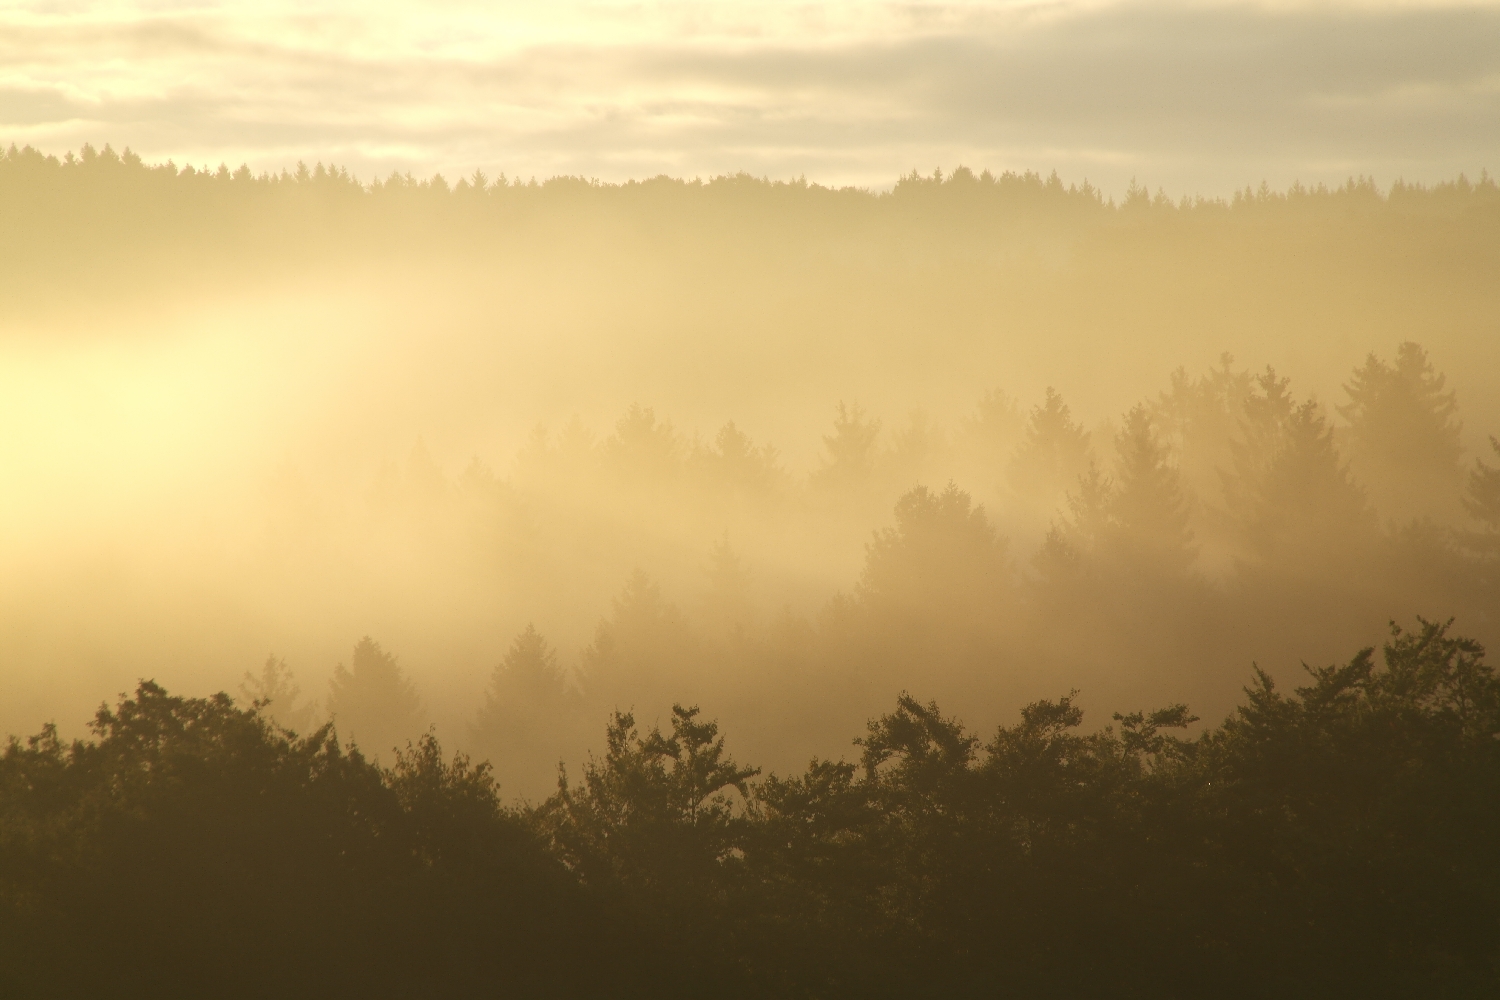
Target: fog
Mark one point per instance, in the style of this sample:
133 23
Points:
778 450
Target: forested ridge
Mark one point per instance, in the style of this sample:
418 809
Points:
1337 839
102 222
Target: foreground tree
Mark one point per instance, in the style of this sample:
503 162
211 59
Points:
1337 840
191 848
653 831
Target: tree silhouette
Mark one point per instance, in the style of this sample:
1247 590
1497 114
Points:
1482 499
1337 837
1198 418
372 701
274 691
1054 453
643 448
916 448
992 431
1148 524
1126 532
1297 507
735 463
641 650
850 459
524 724
727 600
652 827
941 563
1404 435
188 848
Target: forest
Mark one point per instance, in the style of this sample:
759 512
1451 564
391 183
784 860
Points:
1223 507
1217 525
550 542
1334 840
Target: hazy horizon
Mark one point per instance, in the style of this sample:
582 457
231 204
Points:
1197 99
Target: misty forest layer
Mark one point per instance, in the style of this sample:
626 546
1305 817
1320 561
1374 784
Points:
1335 841
1057 478
501 462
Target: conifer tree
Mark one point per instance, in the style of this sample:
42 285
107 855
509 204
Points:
727 601
915 449
1295 504
372 702
942 561
526 719
1482 501
1130 525
735 463
1198 417
1404 435
987 438
850 458
640 651
1054 453
1148 524
644 448
526 682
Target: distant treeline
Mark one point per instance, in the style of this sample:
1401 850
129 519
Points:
108 220
121 175
1335 841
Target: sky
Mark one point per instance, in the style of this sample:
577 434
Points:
1195 98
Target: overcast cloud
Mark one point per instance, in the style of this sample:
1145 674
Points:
1193 98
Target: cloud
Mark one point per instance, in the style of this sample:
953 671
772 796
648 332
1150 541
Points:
1200 99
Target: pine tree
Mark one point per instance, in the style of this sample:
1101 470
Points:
1148 523
942 562
644 448
527 679
1197 419
990 435
1053 455
642 651
372 702
1482 501
727 601
526 720
851 449
916 449
1129 528
1404 435
735 463
1295 505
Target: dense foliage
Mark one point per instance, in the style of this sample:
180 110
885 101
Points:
1338 840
